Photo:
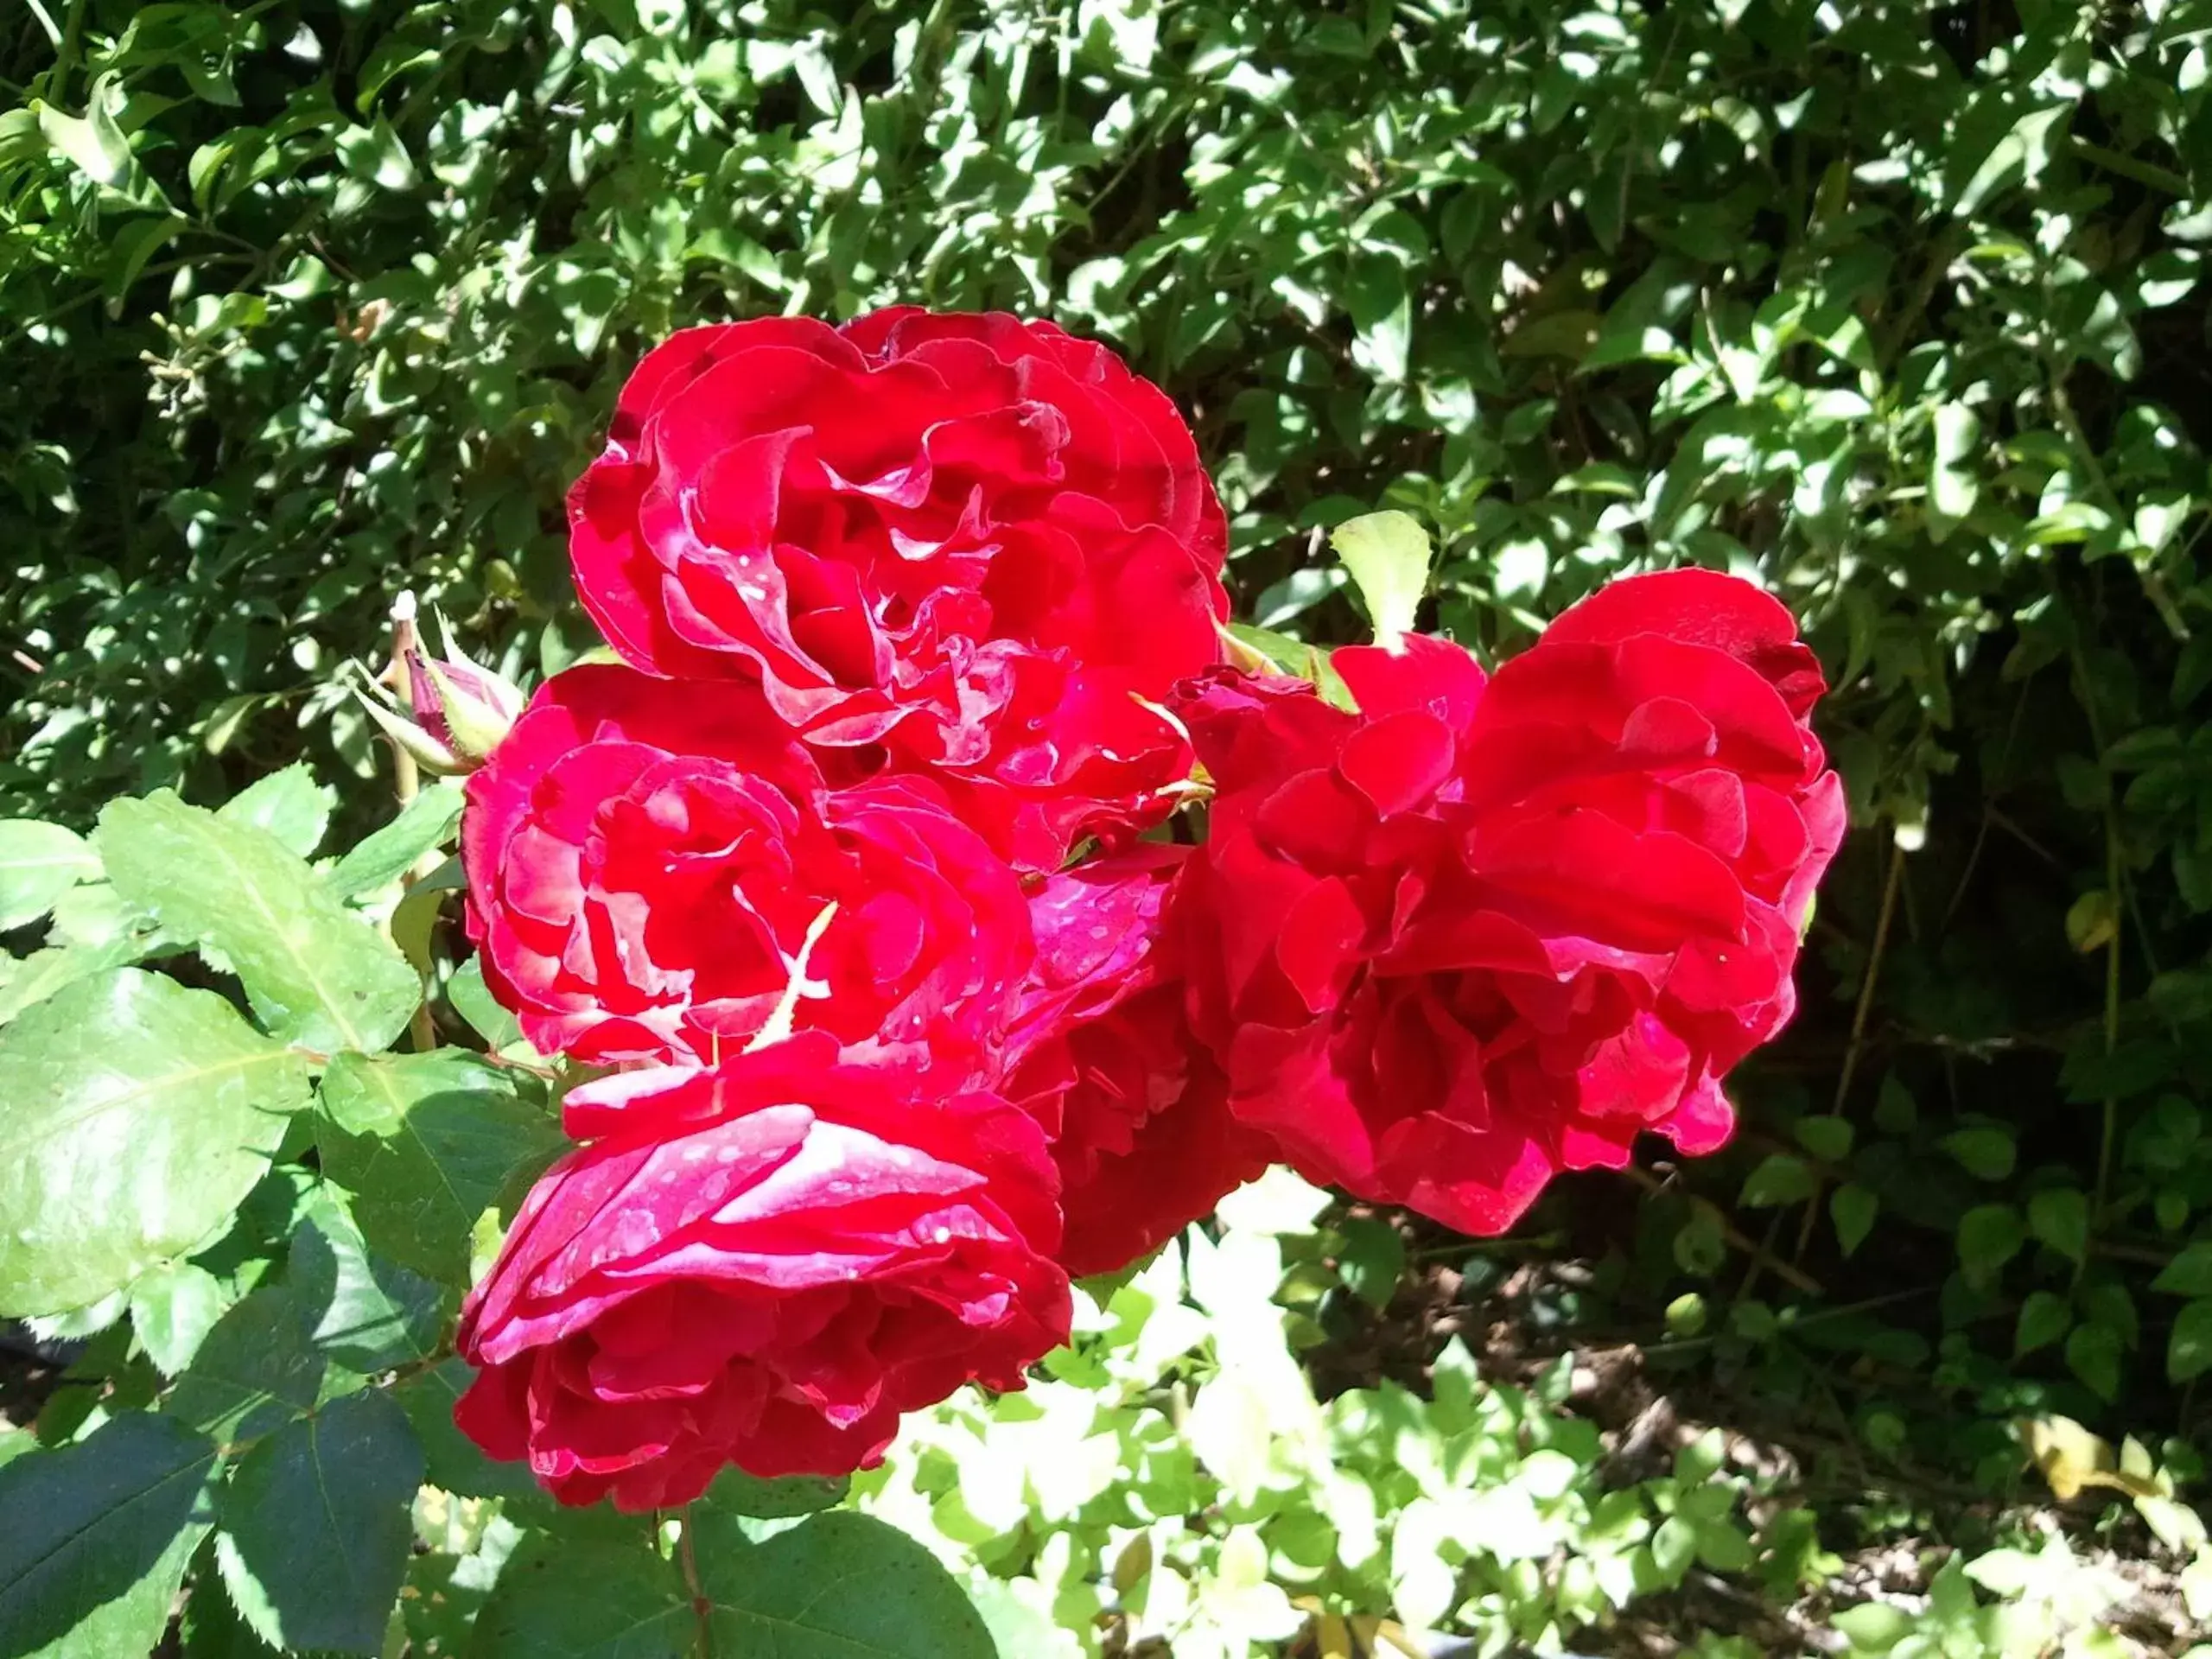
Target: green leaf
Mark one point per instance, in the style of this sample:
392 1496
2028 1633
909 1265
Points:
1873 1626
1826 1138
317 974
255 1371
735 1492
840 1587
364 1312
375 154
472 1001
1853 1209
2093 1353
2189 1273
94 142
315 1533
290 804
94 1538
138 242
1781 1177
1985 1153
593 1598
1373 1256
43 973
2059 1217
382 857
39 862
426 1144
173 1309
2188 1351
1387 553
138 1113
1953 484
1990 1235
2044 1318
453 1462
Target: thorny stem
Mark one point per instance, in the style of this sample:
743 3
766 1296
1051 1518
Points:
703 1606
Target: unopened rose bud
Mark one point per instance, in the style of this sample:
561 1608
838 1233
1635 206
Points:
456 710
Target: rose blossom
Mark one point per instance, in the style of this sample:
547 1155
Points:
761 1264
651 862
1475 934
1101 1053
962 544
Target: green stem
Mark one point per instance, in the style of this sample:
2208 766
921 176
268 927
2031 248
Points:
703 1606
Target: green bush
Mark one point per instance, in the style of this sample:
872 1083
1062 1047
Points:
1898 311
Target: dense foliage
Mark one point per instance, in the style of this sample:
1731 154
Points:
1899 312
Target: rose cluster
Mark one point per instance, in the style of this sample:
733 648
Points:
863 885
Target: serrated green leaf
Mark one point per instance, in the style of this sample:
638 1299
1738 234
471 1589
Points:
173 1309
382 857
735 1492
594 1598
315 973
138 1115
255 1371
1387 553
425 1143
840 1585
365 1312
44 973
288 805
314 1535
39 862
94 1537
453 1462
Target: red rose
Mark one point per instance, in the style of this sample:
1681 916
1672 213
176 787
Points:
762 1264
963 543
650 863
1474 934
1101 1052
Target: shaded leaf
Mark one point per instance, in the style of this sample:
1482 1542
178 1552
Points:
315 1533
94 1537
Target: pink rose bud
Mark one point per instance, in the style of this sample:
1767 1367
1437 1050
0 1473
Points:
457 711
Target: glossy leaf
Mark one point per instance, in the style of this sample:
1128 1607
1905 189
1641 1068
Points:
139 1114
316 975
425 1143
38 863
